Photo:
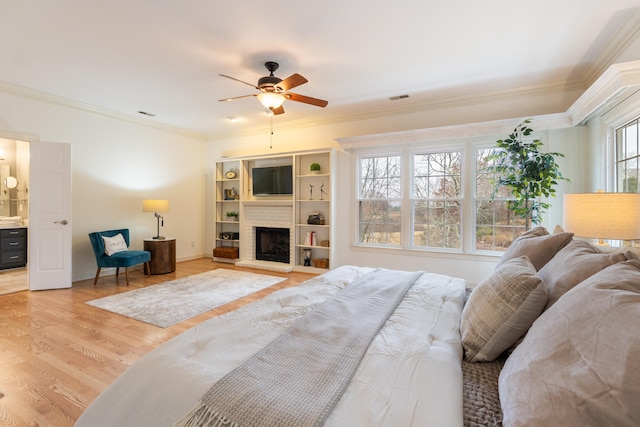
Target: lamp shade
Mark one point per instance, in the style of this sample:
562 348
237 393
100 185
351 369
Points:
149 205
271 99
603 215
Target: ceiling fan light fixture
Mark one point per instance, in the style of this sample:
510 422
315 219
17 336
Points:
271 99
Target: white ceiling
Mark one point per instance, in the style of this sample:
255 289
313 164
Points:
164 56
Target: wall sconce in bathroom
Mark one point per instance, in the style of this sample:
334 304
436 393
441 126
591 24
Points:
11 182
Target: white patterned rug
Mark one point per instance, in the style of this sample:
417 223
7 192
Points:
168 303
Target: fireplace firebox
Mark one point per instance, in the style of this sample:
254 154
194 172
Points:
272 244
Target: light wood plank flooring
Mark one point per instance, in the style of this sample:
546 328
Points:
57 353
13 280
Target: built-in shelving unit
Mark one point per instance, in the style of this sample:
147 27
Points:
228 192
313 211
311 197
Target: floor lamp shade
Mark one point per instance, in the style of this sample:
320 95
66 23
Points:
613 216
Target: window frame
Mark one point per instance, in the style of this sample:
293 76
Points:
467 147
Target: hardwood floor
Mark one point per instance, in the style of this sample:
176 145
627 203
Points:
13 280
57 353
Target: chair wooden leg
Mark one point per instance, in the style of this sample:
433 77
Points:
117 273
126 274
97 275
147 268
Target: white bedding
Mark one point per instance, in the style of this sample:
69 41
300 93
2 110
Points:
410 376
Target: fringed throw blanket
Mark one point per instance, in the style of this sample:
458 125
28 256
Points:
297 379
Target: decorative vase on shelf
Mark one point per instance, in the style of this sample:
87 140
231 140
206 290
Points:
314 168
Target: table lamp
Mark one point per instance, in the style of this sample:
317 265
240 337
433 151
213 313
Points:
156 206
601 215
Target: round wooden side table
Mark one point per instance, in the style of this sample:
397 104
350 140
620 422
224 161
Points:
163 255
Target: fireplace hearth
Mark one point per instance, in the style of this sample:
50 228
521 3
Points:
272 244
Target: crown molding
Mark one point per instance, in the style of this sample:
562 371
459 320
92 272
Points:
434 103
617 83
621 41
81 106
467 130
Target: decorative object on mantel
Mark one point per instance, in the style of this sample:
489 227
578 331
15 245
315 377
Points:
306 255
231 194
233 216
156 206
314 168
321 263
528 173
601 215
316 218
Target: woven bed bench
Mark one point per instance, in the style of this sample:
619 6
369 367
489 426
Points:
481 400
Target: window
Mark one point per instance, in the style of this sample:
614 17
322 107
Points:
422 206
380 200
627 155
496 226
437 200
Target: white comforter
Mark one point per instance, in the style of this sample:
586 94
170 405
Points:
410 376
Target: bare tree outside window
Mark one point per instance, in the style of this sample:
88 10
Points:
380 195
496 225
437 200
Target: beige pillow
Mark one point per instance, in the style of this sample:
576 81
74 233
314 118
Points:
115 244
538 245
574 263
579 363
501 309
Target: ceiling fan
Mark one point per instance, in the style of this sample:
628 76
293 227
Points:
273 91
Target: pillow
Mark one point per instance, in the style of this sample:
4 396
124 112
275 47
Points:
574 263
578 364
538 245
501 309
114 244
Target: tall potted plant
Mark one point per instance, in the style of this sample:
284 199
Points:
528 173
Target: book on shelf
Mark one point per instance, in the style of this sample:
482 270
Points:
310 239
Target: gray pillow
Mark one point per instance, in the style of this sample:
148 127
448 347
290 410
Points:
538 245
501 309
574 263
578 364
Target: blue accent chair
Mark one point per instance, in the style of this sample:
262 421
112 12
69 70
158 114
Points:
124 259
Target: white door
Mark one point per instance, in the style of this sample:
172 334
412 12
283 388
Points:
49 215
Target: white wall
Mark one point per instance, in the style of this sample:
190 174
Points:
117 164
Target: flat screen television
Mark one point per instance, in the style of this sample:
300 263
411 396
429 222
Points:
272 180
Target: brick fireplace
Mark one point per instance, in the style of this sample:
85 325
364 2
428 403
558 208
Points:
269 214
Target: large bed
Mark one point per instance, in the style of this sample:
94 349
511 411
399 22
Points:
410 375
438 358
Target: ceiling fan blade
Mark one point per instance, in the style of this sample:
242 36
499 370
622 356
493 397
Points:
306 99
291 82
276 111
238 80
235 97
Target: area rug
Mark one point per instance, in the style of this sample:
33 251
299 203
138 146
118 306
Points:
168 303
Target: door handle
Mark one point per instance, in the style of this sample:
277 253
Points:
63 222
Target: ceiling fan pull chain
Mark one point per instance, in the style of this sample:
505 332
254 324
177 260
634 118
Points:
271 136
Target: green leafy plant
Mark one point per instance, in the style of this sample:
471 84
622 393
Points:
314 167
232 214
528 173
